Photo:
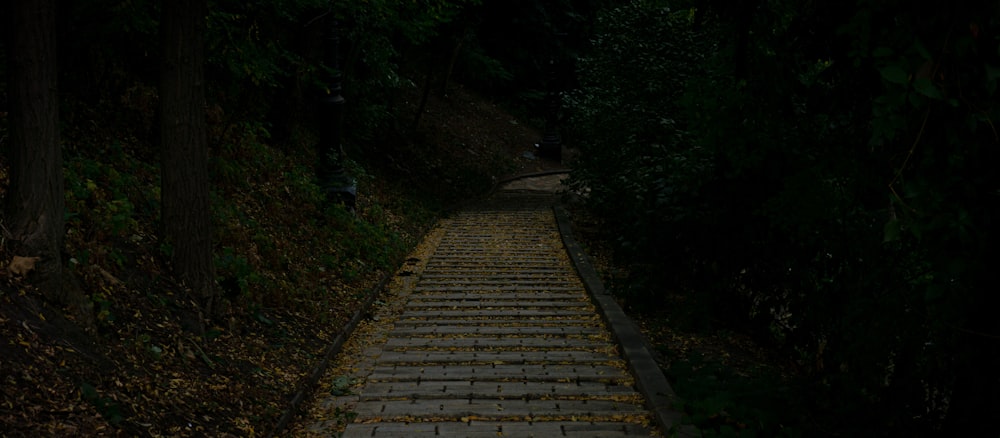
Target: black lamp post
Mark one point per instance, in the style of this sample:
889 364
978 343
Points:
551 144
337 185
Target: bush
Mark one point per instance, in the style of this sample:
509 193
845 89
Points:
737 155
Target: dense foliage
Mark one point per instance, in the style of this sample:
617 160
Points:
817 174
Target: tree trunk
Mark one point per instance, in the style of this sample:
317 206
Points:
186 215
35 199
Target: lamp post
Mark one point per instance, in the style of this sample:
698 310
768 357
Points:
551 144
334 181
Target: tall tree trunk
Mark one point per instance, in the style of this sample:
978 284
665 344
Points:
35 200
186 215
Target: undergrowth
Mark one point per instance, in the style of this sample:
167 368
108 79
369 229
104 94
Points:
291 267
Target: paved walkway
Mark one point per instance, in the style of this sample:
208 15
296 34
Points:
488 331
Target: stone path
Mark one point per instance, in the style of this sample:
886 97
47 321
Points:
488 332
550 181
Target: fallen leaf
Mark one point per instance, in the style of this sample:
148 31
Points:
20 266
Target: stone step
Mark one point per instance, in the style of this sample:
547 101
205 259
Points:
499 357
458 330
488 282
487 313
493 295
430 389
435 305
521 288
565 276
466 247
485 428
480 270
498 321
525 410
494 429
525 373
496 343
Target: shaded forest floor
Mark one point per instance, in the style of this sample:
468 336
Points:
730 383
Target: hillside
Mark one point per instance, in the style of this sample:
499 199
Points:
293 269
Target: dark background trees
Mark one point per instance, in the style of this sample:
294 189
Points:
815 174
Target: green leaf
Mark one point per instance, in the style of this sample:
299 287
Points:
926 87
881 52
212 334
924 53
106 407
88 391
263 319
933 292
894 74
992 73
341 386
891 231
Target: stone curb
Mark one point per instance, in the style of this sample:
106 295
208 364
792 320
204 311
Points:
650 380
498 184
306 388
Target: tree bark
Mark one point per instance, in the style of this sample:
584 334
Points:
186 215
35 200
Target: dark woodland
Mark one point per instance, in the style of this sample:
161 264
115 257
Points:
795 199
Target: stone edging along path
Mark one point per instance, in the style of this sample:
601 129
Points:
660 396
